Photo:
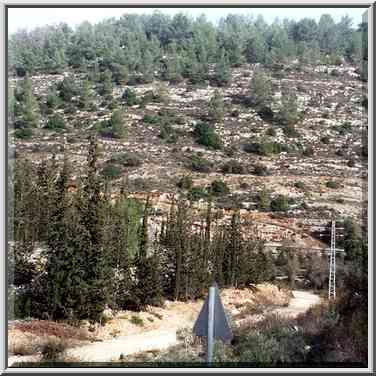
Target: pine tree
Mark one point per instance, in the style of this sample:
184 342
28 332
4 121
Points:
29 108
173 67
120 73
118 129
216 107
147 67
106 78
260 90
86 95
288 113
222 74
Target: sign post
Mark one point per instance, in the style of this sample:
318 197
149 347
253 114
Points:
212 322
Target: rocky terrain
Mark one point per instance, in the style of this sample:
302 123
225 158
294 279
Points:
334 126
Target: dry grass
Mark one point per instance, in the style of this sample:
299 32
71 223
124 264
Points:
43 337
31 337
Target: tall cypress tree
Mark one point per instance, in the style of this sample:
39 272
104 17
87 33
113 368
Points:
97 271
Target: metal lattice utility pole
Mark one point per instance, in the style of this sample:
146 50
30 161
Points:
332 264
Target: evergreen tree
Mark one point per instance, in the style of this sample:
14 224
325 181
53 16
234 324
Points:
85 95
148 289
288 112
173 66
63 261
29 114
233 250
96 286
256 48
147 67
118 129
67 89
222 74
216 107
120 73
260 90
106 79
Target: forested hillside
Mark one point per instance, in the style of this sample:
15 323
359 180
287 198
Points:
141 47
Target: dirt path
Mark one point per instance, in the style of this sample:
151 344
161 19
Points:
160 339
300 303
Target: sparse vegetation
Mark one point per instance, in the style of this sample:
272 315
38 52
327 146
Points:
154 211
206 135
127 159
219 187
136 320
185 182
111 171
234 167
55 122
199 164
332 184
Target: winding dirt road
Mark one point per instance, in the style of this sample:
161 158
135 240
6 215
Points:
160 339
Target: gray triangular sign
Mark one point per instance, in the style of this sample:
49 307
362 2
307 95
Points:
222 328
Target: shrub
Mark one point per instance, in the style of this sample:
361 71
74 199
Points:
206 135
197 193
151 119
168 133
53 101
308 151
265 148
364 102
280 203
290 131
299 185
55 122
266 113
233 167
341 152
129 96
23 134
271 132
118 130
216 107
230 151
263 200
334 73
219 187
200 164
67 89
111 171
332 184
325 140
261 170
344 128
351 163
185 182
136 320
127 159
53 348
